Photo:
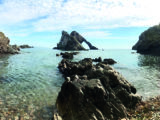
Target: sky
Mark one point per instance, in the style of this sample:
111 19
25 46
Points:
107 24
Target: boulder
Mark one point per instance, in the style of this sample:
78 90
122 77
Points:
149 41
109 61
72 42
94 92
5 48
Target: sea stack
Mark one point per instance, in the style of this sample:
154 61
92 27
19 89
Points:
5 48
73 42
149 41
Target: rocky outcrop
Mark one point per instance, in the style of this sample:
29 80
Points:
5 48
68 55
25 46
72 42
81 39
94 92
149 41
109 61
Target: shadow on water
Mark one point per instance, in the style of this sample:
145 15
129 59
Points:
150 61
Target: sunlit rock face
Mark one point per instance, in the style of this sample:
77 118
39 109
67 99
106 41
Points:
149 41
5 48
73 42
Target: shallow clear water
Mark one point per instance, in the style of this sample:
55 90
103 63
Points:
30 81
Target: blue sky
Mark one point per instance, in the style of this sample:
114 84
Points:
108 24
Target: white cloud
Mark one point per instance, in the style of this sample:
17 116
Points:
96 34
101 14
87 14
16 11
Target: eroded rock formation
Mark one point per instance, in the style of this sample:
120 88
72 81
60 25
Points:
73 42
5 48
149 41
94 92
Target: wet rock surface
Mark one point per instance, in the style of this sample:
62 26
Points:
73 42
93 92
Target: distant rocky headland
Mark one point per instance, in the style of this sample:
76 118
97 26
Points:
73 42
6 48
149 41
25 46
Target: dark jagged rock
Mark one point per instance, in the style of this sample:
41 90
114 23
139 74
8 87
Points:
72 42
68 42
58 55
109 61
16 47
5 48
94 92
149 41
25 46
67 55
97 59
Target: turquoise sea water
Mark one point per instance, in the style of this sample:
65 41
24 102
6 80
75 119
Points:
30 81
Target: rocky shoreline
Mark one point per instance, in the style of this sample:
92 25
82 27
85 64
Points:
94 91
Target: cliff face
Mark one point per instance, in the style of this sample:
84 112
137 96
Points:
73 42
5 47
149 41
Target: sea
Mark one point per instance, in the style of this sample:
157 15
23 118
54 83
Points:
30 81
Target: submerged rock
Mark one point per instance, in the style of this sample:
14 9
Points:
5 48
72 42
149 41
94 92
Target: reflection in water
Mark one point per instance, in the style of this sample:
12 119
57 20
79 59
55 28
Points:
147 60
3 68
